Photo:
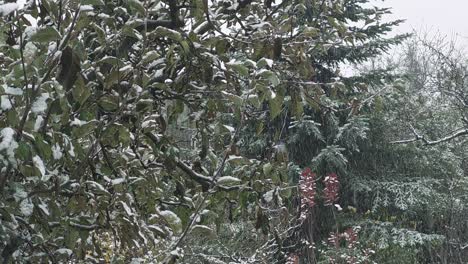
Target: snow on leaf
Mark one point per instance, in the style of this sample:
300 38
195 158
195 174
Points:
57 152
77 122
44 208
203 231
265 62
137 261
40 105
118 181
38 123
126 208
8 142
45 34
268 196
13 91
39 164
30 51
6 9
169 33
5 103
237 100
26 207
229 128
20 193
173 220
228 180
269 75
97 188
64 251
238 160
86 8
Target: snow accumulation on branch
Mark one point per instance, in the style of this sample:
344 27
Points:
458 133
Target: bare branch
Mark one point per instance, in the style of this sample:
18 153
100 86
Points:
458 133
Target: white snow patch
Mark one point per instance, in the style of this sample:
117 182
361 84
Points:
85 8
159 73
30 51
40 105
52 48
71 151
26 207
268 196
12 91
64 251
227 180
77 122
29 31
57 151
38 123
5 103
172 219
8 142
44 208
6 9
148 123
39 164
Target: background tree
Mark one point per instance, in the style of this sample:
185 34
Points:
410 176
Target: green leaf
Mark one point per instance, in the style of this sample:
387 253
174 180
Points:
144 105
276 106
23 152
267 169
131 32
237 100
124 136
269 75
311 32
150 56
101 34
46 34
43 147
168 33
80 91
84 130
93 2
265 63
137 6
239 68
111 61
203 231
70 67
116 134
238 160
109 102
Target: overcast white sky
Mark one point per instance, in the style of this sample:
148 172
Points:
449 17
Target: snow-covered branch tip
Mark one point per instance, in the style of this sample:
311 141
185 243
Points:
418 137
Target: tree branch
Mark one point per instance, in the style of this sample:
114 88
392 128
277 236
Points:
459 133
204 181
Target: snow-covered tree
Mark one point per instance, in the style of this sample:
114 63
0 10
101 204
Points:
127 127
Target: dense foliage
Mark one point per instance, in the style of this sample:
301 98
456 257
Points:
223 132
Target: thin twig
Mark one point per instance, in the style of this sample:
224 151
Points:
212 184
